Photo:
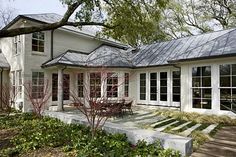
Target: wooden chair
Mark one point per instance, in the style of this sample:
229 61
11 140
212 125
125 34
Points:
128 107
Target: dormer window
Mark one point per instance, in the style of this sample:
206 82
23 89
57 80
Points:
38 41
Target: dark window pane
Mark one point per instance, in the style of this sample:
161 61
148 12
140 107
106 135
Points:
142 89
153 96
176 74
163 90
206 82
225 105
206 71
225 69
196 103
163 75
206 103
176 82
196 71
163 83
176 90
163 97
153 76
142 76
153 83
196 82
225 81
196 93
153 90
234 81
142 96
234 94
176 98
225 94
206 93
234 69
142 83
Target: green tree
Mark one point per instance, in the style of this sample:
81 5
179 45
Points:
131 21
190 17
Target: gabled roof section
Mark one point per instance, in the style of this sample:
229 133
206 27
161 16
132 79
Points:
103 56
88 31
194 47
3 61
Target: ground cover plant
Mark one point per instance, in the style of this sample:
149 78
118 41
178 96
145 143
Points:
29 135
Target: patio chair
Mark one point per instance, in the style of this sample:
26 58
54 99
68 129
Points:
128 107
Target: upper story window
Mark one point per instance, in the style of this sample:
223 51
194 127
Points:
112 85
227 86
176 86
17 44
201 86
95 85
38 39
142 86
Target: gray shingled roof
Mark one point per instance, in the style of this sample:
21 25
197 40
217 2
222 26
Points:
105 56
215 44
3 61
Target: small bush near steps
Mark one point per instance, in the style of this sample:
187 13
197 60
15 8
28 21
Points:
34 134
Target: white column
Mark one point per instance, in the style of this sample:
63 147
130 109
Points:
60 90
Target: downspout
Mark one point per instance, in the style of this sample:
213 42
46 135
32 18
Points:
1 86
52 45
180 83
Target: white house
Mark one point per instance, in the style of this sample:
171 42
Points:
194 74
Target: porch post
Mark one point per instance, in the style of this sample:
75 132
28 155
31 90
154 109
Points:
60 90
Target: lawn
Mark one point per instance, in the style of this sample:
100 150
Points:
28 135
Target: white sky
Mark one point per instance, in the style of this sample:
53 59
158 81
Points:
34 6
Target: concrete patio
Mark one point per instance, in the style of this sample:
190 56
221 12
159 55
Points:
133 126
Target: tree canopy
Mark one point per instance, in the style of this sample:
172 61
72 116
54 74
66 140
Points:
131 21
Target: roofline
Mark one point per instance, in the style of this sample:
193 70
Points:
120 45
202 58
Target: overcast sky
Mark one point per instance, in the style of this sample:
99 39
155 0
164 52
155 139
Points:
34 6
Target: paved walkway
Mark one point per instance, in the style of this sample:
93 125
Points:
223 144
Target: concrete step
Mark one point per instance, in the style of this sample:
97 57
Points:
209 129
159 122
181 126
165 126
190 130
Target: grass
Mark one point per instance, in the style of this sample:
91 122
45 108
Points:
164 123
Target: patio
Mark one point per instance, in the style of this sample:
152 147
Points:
133 125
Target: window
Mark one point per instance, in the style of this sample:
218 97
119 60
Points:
95 85
17 44
38 41
142 86
80 84
201 87
13 82
153 86
126 84
66 87
112 85
176 86
19 76
163 86
37 84
227 86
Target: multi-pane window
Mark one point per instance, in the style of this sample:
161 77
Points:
126 84
228 87
13 82
80 84
153 86
112 85
17 44
95 85
176 86
38 41
66 87
163 86
201 87
19 83
37 84
142 86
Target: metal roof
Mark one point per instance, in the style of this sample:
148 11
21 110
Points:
3 61
204 46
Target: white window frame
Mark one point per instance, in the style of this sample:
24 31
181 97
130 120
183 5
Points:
38 40
80 85
19 83
38 84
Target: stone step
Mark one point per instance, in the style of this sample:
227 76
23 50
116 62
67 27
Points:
209 129
159 122
181 126
203 154
189 130
165 126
